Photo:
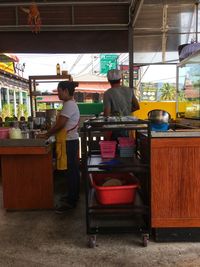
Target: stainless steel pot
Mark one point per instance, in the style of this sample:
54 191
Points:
159 116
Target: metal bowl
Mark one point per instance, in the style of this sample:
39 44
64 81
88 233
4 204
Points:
159 116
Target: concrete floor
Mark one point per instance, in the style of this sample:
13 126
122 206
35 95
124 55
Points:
43 238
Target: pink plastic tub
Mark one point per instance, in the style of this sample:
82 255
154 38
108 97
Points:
126 141
4 133
108 149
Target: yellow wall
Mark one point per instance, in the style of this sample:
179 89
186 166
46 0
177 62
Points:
145 107
182 106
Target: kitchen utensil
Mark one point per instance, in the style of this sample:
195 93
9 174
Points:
159 116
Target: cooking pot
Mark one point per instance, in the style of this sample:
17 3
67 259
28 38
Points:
159 116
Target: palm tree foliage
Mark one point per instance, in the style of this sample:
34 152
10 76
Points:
168 92
181 96
7 111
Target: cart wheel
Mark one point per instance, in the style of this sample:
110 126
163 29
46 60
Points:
145 239
92 241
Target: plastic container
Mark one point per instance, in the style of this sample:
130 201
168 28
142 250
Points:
162 127
108 149
126 147
126 152
4 133
64 68
15 133
126 141
112 195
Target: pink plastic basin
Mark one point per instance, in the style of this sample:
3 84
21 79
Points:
4 133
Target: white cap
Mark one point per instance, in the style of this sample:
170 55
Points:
114 75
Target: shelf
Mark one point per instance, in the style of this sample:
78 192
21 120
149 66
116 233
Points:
50 77
104 124
95 207
125 164
116 127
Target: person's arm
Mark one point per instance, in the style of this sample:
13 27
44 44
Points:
135 103
60 124
106 111
106 105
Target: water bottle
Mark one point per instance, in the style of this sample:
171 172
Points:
64 68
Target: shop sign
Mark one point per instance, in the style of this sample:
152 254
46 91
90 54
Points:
125 69
38 98
135 73
7 66
149 91
108 62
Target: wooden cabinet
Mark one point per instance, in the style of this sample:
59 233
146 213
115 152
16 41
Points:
175 182
27 177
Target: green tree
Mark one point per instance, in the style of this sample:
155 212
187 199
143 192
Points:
22 111
168 92
181 96
196 85
41 106
7 111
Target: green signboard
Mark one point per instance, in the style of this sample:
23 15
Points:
39 98
107 62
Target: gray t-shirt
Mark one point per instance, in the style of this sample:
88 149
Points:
119 100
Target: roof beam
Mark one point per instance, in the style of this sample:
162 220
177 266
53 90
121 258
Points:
134 10
64 3
77 27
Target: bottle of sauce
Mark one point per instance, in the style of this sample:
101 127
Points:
58 72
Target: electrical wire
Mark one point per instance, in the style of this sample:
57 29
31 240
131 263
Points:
76 62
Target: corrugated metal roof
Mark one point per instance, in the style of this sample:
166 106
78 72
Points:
160 26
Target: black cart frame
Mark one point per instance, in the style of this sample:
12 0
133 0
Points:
92 133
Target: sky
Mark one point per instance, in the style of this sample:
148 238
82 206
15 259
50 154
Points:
83 64
45 64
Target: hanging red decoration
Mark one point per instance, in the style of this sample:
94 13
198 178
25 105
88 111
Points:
34 19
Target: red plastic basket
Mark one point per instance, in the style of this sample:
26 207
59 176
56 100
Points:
108 149
112 195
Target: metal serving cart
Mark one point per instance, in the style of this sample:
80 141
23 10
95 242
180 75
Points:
115 218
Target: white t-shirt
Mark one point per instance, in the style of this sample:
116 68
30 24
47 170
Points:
71 111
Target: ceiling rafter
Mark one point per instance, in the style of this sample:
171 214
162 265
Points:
81 19
64 3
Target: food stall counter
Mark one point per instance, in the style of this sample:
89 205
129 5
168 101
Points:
27 174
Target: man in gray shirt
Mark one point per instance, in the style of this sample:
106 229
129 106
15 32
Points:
118 100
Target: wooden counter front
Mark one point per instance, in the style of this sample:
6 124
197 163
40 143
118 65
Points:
175 182
27 177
